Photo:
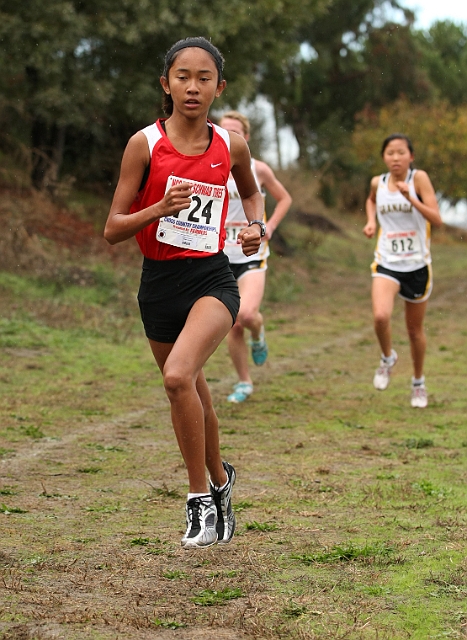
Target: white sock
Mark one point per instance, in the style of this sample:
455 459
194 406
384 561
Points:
417 382
261 336
198 495
388 359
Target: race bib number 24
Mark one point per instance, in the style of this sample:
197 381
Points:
198 227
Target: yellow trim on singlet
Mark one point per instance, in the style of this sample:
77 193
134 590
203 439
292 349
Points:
429 282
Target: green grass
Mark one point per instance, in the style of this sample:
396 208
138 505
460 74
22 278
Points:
168 624
260 526
351 506
7 510
347 553
211 597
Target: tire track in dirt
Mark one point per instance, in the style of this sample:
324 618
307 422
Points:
32 451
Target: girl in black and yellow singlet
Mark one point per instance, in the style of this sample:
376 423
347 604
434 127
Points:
172 196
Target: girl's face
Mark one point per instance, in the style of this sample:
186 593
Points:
397 156
193 82
232 124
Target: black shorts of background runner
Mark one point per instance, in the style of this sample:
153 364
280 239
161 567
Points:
415 286
169 289
239 269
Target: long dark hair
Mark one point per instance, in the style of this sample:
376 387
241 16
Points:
397 136
170 56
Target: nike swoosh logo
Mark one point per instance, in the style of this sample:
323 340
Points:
213 166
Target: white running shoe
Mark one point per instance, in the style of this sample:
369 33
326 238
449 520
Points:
201 521
419 397
383 372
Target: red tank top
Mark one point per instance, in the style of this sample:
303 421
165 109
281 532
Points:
196 232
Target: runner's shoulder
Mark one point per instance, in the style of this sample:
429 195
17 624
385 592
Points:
238 144
421 177
264 172
374 183
262 167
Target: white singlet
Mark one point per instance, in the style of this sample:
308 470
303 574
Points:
236 221
404 234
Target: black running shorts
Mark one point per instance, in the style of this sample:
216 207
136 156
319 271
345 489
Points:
415 286
169 289
239 269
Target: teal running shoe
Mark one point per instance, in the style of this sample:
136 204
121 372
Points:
241 392
259 349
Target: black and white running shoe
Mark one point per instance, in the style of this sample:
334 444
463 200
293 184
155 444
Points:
201 520
223 500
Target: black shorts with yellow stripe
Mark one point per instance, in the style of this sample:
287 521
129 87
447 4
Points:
415 286
241 269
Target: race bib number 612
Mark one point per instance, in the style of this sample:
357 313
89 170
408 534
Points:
403 245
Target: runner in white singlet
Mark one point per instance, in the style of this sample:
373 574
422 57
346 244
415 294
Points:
404 204
250 271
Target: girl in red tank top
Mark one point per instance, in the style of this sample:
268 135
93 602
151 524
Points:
171 195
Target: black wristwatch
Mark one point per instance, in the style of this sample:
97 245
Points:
262 226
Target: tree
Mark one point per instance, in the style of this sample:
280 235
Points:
46 84
444 49
79 76
350 56
438 132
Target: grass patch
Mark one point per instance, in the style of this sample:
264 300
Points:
7 510
429 489
211 597
347 553
419 443
260 526
32 431
294 610
105 448
169 624
174 575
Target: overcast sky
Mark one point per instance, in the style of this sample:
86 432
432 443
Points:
428 11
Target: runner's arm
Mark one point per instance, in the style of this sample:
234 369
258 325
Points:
370 207
252 200
280 194
120 224
428 205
